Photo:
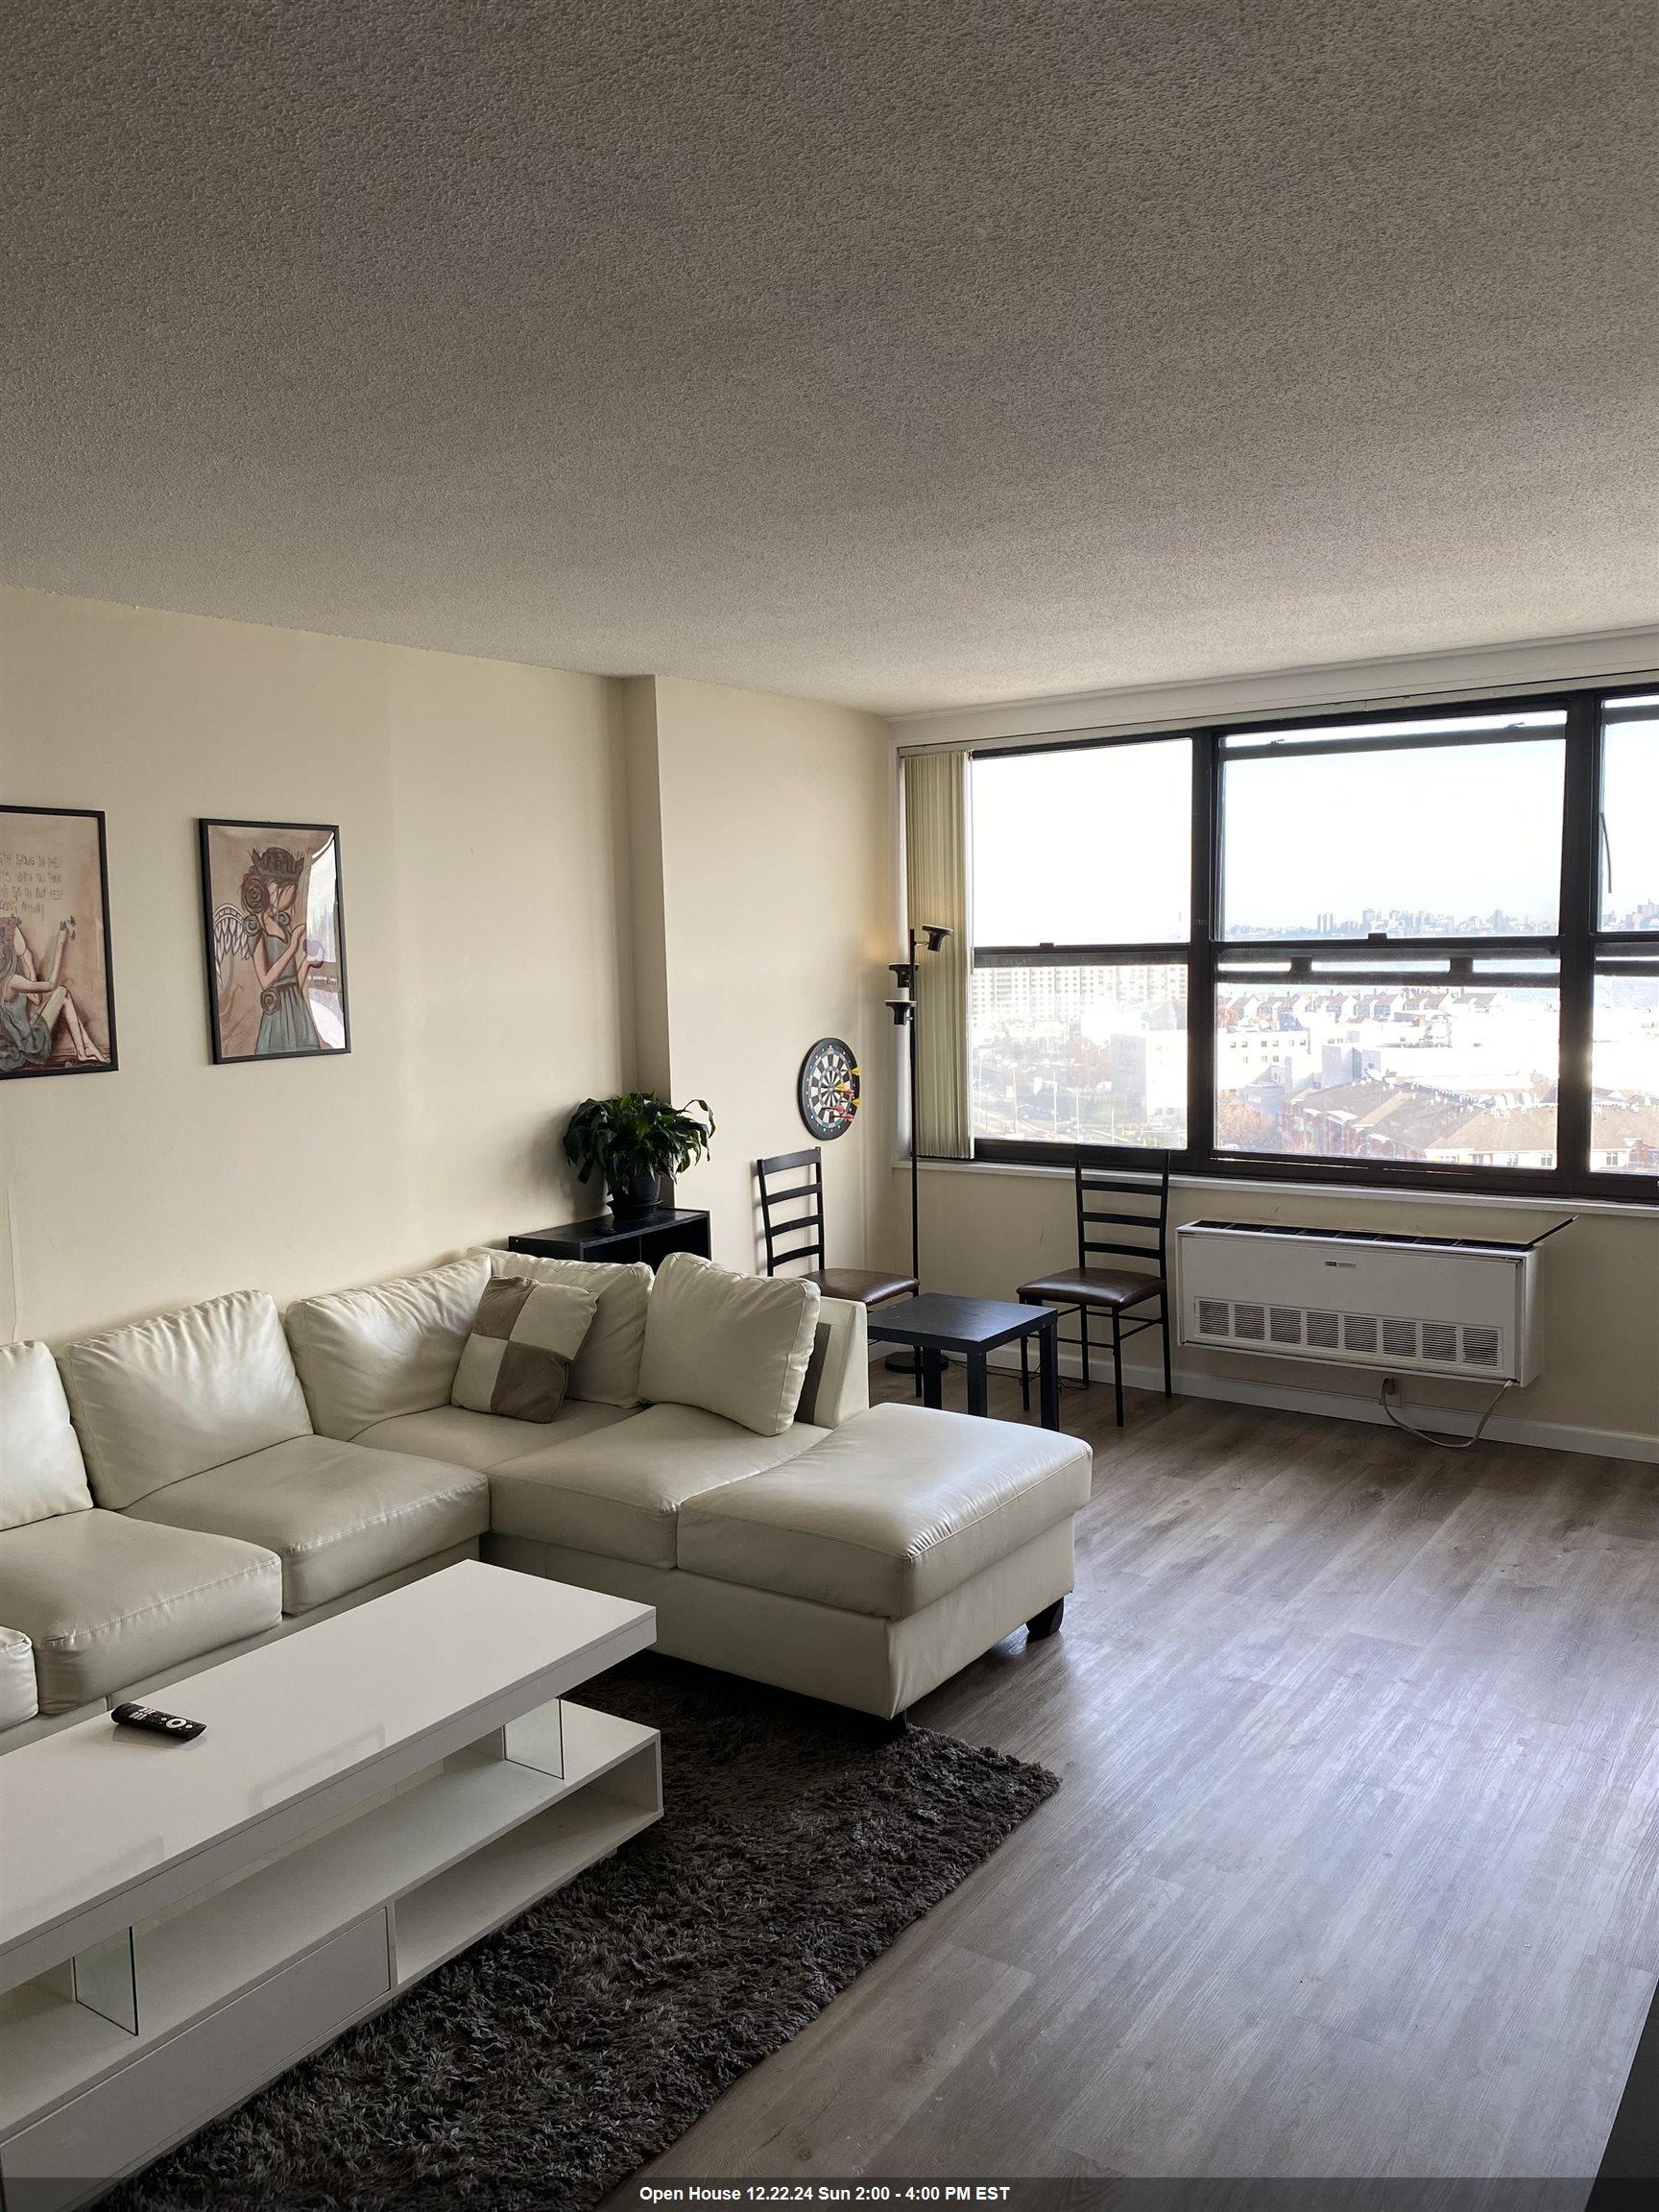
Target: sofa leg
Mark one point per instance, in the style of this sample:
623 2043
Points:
1046 1622
882 1730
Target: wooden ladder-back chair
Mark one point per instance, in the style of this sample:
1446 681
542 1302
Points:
1136 1216
798 1214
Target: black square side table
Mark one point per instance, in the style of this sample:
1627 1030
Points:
648 1237
971 1327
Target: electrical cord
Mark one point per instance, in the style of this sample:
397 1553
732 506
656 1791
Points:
1427 1436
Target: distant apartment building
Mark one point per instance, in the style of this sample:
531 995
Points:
1455 1073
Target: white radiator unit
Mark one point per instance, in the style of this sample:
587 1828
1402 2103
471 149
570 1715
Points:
1404 1305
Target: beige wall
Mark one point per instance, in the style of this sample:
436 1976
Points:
777 898
555 885
648 978
984 1233
480 814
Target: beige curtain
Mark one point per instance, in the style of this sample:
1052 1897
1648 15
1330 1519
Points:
936 890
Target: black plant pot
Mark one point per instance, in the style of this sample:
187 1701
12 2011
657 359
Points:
639 1195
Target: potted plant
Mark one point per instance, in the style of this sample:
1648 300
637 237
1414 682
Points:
632 1141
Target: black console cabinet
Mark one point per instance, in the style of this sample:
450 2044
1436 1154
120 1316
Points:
648 1237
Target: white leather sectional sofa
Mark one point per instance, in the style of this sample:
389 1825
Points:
174 1490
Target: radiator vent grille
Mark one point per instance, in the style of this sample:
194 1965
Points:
1366 1335
1440 1342
1322 1331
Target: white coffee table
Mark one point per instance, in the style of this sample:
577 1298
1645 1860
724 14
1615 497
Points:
178 1923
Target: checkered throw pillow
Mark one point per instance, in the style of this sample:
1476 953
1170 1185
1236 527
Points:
517 1359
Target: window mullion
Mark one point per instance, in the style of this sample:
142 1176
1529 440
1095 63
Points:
1578 900
1201 962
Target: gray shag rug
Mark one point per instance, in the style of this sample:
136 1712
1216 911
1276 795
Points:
542 2066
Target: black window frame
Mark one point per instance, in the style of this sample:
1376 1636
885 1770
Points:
1581 946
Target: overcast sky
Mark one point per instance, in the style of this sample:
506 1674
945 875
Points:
1091 845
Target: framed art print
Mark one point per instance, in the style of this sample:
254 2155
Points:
275 925
57 991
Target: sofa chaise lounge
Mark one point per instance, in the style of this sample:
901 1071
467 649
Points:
235 1474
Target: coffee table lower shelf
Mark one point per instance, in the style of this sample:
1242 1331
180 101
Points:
236 1985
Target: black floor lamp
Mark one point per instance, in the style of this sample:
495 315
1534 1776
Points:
903 1011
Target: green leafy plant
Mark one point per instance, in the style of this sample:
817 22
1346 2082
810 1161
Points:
639 1134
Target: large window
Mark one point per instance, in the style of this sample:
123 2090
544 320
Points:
1080 1054
1082 908
1421 949
1629 839
1051 863
1398 837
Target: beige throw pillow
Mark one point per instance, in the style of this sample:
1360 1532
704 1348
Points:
525 1338
736 1345
608 1365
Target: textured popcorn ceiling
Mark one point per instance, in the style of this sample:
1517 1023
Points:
903 354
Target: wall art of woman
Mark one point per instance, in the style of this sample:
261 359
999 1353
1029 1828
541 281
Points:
32 1005
276 941
57 994
277 945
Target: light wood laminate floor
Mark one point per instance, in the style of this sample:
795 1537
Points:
1356 1867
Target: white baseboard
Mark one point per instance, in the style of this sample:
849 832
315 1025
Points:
1346 1406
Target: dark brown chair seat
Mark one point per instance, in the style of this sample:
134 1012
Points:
1104 1286
862 1286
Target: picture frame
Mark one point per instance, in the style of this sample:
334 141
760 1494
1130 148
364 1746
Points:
56 969
274 938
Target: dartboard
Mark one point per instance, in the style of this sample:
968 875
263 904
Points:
829 1089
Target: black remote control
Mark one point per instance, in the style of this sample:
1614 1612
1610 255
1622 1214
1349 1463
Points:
155 1723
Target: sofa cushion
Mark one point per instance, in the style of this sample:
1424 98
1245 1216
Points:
384 1349
337 1515
892 1510
606 1369
107 1600
484 1439
525 1336
736 1345
41 1471
18 1699
163 1399
618 1492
